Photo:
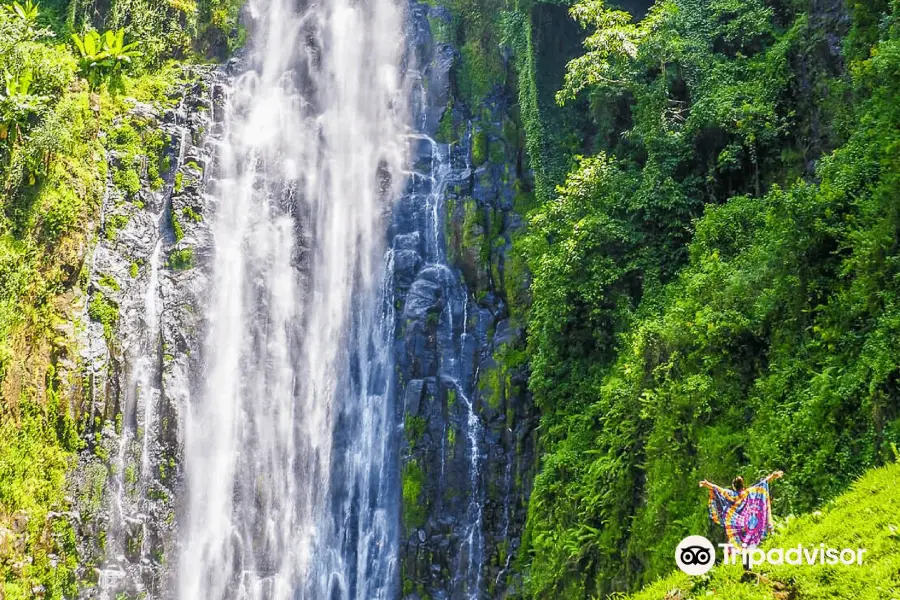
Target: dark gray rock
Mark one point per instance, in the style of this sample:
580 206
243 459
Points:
469 420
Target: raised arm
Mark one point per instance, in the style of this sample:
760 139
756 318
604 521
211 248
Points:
709 485
775 475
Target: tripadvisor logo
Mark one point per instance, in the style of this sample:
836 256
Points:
696 555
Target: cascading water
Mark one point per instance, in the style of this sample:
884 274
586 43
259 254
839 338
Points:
291 488
455 352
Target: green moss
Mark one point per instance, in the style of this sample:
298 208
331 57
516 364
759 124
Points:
130 475
104 311
447 132
441 29
414 510
409 585
489 385
415 428
127 180
472 227
496 152
138 145
479 147
107 281
177 228
133 270
35 458
189 213
114 224
62 207
181 260
479 70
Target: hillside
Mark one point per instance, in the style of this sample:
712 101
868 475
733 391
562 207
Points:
867 516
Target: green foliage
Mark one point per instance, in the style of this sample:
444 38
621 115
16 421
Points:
104 311
114 223
479 147
177 228
697 311
864 517
479 70
219 32
104 57
179 29
18 106
23 19
138 145
543 38
447 131
27 12
108 281
37 445
191 214
127 180
53 174
182 259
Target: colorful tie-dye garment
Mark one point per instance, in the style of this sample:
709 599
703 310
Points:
747 517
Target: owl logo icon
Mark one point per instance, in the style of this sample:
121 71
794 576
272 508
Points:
695 555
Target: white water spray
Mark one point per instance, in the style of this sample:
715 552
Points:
290 483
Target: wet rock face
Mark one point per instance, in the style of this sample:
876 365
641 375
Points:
467 452
138 343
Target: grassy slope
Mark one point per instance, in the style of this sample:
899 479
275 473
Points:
867 516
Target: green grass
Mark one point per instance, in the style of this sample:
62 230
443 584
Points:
867 516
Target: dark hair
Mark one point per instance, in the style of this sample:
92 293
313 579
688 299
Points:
737 483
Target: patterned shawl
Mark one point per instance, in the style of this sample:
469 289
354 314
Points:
747 517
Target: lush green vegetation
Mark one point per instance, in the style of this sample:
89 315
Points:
166 29
865 517
65 100
705 301
714 281
35 455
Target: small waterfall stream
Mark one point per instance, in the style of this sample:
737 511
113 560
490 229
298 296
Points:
133 472
454 352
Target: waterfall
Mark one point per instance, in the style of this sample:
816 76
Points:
291 486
